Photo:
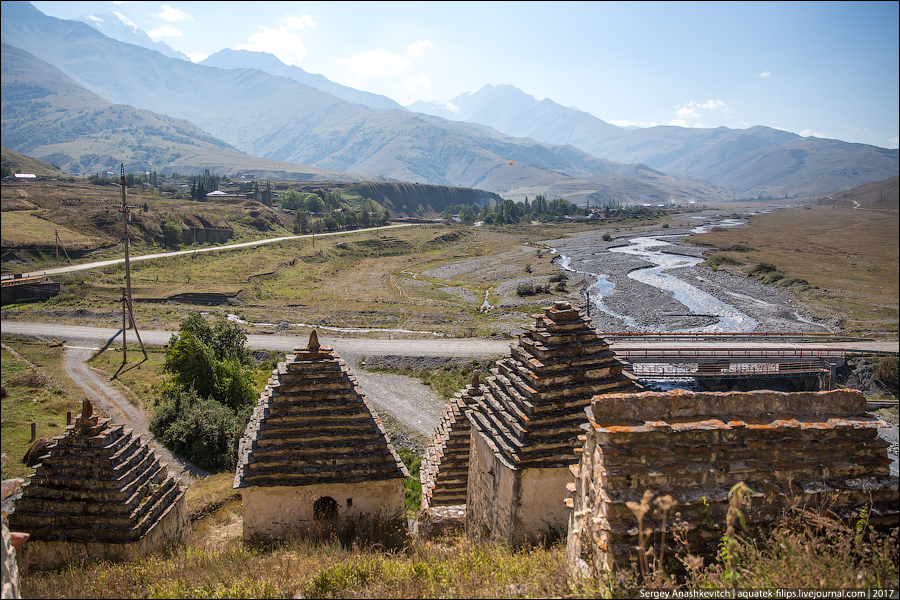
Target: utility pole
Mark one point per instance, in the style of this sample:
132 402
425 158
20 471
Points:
58 244
127 307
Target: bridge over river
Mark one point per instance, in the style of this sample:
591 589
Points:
810 361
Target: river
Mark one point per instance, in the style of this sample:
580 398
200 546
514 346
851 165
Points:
664 271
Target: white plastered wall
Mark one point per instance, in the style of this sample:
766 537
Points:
285 511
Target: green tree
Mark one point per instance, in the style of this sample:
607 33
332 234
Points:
191 363
330 222
292 199
229 341
171 234
301 222
314 204
204 431
234 383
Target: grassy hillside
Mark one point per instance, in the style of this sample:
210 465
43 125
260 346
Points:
20 163
48 115
86 217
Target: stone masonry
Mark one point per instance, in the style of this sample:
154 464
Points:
100 492
314 454
445 466
525 426
816 448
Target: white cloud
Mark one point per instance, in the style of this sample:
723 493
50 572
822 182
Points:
419 83
165 31
376 63
197 57
764 74
416 49
301 22
173 14
288 47
894 143
687 113
709 104
811 133
624 123
691 110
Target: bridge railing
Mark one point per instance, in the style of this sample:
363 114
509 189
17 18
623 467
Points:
737 370
762 354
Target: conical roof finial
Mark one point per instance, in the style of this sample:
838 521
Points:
476 379
313 344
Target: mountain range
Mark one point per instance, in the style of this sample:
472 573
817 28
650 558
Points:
119 27
498 139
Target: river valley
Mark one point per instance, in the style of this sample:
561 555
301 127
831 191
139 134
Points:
653 281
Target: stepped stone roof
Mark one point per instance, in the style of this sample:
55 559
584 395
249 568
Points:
534 403
445 468
312 425
97 483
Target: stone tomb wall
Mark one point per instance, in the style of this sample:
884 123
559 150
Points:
813 447
525 426
314 454
100 492
289 511
445 466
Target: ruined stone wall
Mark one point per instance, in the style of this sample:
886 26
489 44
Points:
445 466
812 447
288 511
493 494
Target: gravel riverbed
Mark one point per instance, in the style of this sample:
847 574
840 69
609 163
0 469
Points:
775 309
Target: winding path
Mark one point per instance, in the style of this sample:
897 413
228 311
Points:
117 407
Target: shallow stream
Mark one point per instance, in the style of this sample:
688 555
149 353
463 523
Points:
662 274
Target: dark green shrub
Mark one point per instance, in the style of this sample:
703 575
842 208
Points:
717 260
202 430
886 369
525 289
761 268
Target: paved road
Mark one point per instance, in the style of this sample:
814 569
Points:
106 263
476 348
406 399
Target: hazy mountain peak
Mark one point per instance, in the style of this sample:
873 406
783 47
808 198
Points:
271 64
117 26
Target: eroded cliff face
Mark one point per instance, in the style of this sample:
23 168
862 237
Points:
408 199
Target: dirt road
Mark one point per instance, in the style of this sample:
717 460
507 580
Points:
116 406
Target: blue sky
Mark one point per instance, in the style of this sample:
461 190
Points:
828 69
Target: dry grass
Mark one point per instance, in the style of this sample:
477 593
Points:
216 564
359 279
848 256
30 397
